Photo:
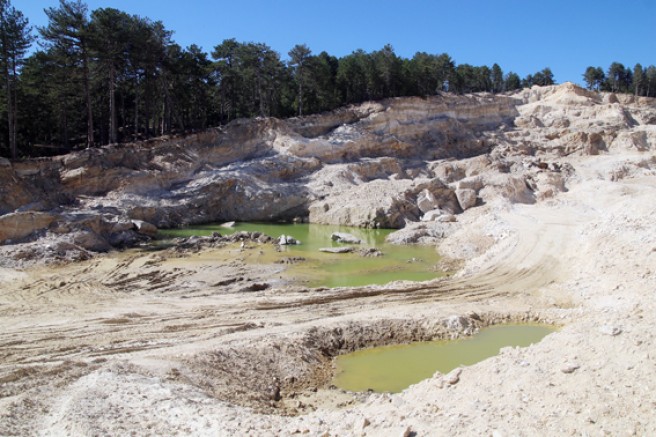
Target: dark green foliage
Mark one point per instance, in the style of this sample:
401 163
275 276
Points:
616 77
299 57
252 80
496 77
512 82
192 88
638 79
421 75
353 76
543 77
321 88
67 41
15 39
594 78
649 87
620 79
106 76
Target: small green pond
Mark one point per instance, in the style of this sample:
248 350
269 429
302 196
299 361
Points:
394 368
319 269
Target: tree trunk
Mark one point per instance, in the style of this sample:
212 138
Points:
136 108
112 105
123 118
65 121
147 104
14 111
87 92
300 90
10 119
7 72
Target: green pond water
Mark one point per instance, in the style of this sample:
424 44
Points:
319 269
394 368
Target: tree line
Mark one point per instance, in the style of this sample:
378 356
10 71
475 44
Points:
104 76
620 79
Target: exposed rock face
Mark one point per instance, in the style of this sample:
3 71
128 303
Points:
22 224
433 128
384 203
382 164
30 186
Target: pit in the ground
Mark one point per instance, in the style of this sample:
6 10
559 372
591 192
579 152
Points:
291 373
396 367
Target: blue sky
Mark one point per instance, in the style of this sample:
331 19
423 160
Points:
521 36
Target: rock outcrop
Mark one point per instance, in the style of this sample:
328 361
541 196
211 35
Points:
16 226
381 164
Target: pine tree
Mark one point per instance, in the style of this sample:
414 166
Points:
638 79
227 72
616 77
67 36
512 82
15 40
109 33
594 77
299 55
589 77
650 81
497 78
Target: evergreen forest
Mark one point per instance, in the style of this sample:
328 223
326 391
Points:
91 78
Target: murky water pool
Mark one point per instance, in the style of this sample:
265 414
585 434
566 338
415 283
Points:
394 368
319 269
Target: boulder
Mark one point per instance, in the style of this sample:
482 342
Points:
145 228
428 233
515 189
473 183
346 238
149 214
287 240
17 226
448 171
454 376
371 252
466 198
345 249
433 195
432 215
447 218
122 226
91 241
126 238
458 324
426 201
